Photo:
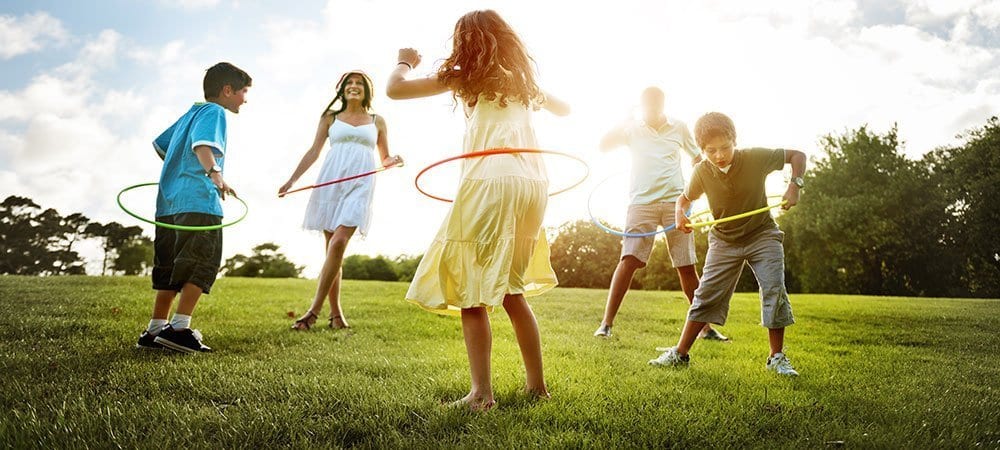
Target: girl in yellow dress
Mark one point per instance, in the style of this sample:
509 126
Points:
491 249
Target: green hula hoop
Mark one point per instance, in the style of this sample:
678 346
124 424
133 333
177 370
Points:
172 226
709 223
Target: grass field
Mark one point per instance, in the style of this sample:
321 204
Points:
876 372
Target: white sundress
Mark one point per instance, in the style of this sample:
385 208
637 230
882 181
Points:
352 151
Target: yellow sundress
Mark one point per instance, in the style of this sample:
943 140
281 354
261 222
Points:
491 242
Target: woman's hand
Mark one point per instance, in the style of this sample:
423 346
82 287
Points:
409 56
392 161
285 187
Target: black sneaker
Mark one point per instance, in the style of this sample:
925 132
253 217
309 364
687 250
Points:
184 341
147 341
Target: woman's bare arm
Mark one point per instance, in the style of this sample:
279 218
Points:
311 155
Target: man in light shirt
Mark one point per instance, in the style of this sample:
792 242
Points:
656 144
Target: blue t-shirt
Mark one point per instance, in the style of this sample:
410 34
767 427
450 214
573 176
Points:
184 187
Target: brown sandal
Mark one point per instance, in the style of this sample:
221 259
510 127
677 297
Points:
343 323
305 322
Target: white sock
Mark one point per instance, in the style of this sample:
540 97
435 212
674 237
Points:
155 325
180 321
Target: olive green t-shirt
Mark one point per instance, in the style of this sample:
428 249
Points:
738 191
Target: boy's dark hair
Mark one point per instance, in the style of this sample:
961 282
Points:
223 74
712 125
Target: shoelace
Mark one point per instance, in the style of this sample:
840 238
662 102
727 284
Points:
783 363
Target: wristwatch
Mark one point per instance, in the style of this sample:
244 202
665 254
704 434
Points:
798 181
214 169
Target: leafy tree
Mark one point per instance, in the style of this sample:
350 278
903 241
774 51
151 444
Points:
35 241
969 178
380 268
114 238
364 267
406 266
134 257
354 267
583 255
265 262
870 221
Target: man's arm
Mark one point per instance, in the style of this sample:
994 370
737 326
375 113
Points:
614 139
691 146
680 219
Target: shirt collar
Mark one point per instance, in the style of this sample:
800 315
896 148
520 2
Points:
666 124
732 164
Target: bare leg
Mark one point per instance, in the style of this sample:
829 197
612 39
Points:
190 294
690 333
330 273
161 305
776 339
529 340
334 297
620 283
478 345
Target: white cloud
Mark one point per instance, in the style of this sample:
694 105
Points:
932 11
191 4
29 33
988 13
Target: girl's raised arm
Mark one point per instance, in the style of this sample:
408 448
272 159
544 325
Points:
399 88
555 106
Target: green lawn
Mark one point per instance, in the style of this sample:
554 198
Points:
876 372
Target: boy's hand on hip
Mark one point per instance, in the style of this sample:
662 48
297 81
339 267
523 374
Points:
791 196
221 185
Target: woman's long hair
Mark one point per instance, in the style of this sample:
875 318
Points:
489 59
366 103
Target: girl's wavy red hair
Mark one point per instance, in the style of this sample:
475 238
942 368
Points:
489 59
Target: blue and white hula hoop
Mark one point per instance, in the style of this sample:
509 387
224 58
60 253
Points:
590 211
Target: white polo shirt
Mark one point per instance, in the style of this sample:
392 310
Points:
656 160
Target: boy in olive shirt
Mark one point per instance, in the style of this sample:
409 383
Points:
734 180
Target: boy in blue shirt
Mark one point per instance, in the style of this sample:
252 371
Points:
193 150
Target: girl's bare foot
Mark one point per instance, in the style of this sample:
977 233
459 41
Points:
474 403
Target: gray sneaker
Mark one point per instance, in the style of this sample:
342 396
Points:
670 358
712 335
604 331
780 364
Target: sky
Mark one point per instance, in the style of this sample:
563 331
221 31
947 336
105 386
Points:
86 86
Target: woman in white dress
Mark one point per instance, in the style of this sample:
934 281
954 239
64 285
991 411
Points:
338 210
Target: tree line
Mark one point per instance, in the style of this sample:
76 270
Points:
36 241
871 221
